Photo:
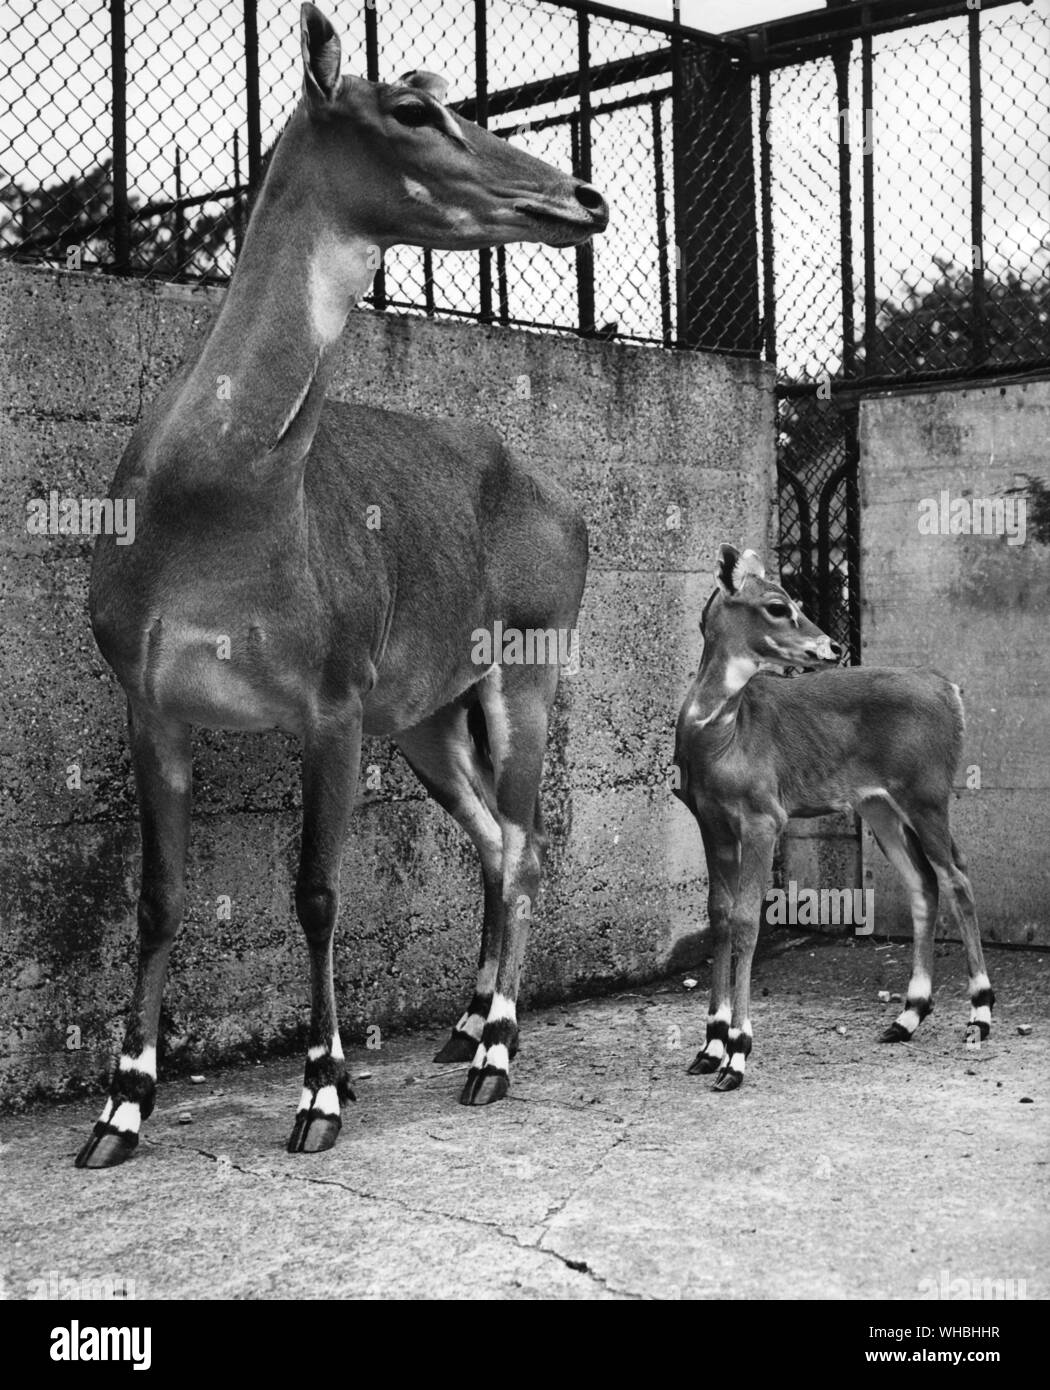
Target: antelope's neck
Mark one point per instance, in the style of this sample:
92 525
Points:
253 399
719 685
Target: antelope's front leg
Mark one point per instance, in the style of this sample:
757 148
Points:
331 758
721 861
160 755
756 869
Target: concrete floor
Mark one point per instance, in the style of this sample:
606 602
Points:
840 1169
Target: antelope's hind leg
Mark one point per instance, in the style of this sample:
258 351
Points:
958 894
161 758
447 753
903 847
516 701
331 758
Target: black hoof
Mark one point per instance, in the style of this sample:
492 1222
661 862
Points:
728 1081
314 1132
106 1148
484 1087
894 1034
459 1048
976 1034
703 1064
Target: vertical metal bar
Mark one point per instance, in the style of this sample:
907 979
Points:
717 204
841 59
251 94
180 219
769 300
677 167
980 325
481 116
119 78
867 98
372 73
501 282
585 253
853 533
666 321
238 205
428 281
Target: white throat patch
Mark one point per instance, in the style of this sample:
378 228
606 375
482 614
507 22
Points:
340 273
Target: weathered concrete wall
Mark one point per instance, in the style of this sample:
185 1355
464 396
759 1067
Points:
632 432
977 608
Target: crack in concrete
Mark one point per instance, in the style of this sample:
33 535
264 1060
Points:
577 1266
555 1211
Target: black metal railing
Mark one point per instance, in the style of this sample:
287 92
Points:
600 97
860 195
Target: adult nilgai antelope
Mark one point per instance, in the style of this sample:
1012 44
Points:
252 545
754 749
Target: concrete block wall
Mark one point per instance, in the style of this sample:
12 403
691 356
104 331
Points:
669 454
977 608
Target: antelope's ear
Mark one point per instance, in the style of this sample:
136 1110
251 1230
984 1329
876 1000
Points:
748 565
321 56
734 568
728 558
428 82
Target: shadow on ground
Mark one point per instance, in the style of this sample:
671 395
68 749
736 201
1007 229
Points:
841 1169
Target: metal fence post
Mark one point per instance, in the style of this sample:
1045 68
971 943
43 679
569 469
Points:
716 222
871 328
481 116
180 219
666 320
251 94
372 73
841 61
585 253
980 324
765 159
119 77
238 205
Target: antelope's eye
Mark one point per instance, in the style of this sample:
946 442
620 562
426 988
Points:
411 113
778 610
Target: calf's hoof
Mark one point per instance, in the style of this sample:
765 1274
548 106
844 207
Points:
484 1087
314 1132
728 1080
895 1034
106 1148
460 1047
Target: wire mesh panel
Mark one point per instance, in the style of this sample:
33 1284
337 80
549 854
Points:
55 146
861 195
135 131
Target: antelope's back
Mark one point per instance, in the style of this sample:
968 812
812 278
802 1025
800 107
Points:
863 725
447 511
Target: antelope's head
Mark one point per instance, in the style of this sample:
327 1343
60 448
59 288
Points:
758 621
395 164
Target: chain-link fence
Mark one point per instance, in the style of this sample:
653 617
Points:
135 132
905 187
860 195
